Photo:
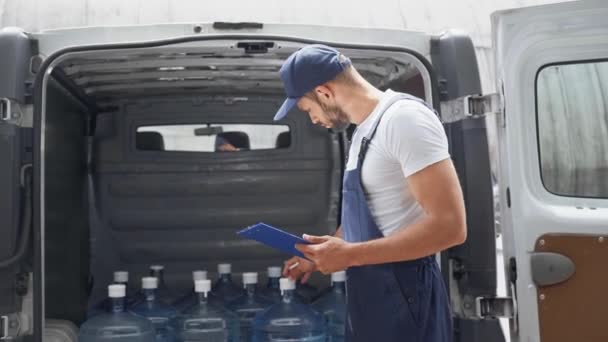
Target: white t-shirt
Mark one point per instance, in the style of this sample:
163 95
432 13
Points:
409 138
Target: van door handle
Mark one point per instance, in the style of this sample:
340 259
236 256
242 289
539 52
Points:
550 268
4 326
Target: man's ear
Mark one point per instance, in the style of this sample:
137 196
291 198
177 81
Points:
324 91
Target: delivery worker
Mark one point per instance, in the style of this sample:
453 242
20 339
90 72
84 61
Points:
402 202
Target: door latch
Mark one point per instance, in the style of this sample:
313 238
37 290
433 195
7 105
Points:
5 109
495 307
4 328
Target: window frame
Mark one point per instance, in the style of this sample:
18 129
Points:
138 126
536 116
197 156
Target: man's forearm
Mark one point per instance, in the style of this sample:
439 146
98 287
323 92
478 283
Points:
426 237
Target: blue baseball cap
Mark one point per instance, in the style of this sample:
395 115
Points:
306 69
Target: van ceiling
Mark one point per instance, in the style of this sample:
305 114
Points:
108 76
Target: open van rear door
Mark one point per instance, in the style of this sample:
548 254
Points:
15 179
552 70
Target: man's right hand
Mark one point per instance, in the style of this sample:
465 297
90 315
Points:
304 270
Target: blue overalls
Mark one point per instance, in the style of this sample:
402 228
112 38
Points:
400 301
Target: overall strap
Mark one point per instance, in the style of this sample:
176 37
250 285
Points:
367 139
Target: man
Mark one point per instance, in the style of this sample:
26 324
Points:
231 141
402 202
223 145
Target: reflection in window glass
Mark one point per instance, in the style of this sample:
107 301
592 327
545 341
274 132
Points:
573 128
212 137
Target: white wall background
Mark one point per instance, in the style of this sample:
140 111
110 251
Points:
472 16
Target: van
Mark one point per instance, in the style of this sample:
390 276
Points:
123 147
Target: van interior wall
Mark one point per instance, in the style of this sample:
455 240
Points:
179 209
66 209
183 209
413 86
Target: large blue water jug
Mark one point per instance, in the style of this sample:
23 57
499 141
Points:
120 278
189 299
117 325
224 288
333 306
272 290
157 312
163 293
206 322
249 304
305 292
289 320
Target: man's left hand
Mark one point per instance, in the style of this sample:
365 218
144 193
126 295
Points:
330 254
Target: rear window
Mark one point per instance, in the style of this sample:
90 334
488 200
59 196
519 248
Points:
212 137
572 114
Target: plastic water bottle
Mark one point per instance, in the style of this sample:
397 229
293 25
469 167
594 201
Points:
158 313
122 277
119 278
163 293
249 304
272 291
289 320
224 289
206 322
190 298
333 306
117 325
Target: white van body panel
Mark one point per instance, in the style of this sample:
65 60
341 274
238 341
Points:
54 40
525 41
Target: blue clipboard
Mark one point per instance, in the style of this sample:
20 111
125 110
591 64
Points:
275 238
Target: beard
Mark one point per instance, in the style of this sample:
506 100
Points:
337 118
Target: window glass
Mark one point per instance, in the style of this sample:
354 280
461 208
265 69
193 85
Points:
212 137
572 109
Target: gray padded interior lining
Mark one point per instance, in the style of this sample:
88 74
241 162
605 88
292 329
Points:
182 209
207 67
66 230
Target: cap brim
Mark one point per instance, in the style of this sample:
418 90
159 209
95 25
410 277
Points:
285 108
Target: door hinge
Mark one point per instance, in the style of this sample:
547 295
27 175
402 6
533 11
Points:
5 109
470 106
495 307
4 328
10 326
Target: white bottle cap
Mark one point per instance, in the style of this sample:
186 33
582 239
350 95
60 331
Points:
199 275
149 283
224 268
121 277
117 291
274 272
202 286
287 284
338 277
250 278
157 268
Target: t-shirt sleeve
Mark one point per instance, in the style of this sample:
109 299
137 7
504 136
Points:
416 137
